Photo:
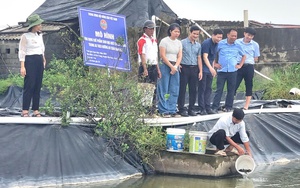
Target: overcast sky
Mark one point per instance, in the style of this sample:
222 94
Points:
265 11
14 11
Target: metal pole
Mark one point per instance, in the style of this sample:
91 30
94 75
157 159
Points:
201 28
246 23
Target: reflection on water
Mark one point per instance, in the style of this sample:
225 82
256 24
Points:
276 175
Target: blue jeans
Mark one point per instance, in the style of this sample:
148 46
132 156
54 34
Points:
167 90
230 78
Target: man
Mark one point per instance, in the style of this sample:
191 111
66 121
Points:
230 130
208 51
251 49
148 57
190 71
227 63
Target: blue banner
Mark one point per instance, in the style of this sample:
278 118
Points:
105 41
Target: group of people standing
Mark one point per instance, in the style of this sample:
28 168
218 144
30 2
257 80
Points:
187 63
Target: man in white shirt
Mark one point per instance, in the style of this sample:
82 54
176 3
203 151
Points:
230 130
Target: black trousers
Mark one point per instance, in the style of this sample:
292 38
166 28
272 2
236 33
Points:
188 76
246 73
204 91
34 66
219 138
152 74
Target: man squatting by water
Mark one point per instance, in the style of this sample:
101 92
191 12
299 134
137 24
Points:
230 129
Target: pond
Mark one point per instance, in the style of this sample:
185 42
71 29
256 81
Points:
275 175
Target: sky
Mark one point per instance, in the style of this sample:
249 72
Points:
264 11
14 11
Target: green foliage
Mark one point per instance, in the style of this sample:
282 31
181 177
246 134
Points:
186 141
167 96
284 80
110 98
16 80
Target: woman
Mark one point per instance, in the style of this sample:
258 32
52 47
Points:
33 62
170 49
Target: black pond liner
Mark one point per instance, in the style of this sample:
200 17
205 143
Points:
43 155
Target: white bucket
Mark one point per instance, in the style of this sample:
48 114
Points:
175 138
245 164
197 142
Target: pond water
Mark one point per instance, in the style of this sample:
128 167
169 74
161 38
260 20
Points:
275 175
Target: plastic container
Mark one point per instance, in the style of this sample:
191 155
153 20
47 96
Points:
175 138
197 142
245 165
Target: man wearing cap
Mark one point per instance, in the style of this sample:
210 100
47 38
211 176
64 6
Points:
230 130
148 58
251 49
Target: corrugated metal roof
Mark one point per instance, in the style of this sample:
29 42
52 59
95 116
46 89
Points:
15 32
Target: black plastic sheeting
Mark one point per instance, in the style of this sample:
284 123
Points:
11 101
274 137
37 155
136 11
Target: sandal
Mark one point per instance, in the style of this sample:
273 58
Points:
24 114
221 153
36 115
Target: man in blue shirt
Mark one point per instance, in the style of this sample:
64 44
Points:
227 62
208 53
251 49
190 71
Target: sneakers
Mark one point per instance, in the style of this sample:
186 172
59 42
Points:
210 111
221 153
203 112
183 113
213 111
192 113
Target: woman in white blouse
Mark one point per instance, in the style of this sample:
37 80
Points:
33 62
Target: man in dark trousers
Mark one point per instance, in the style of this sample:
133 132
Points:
227 63
148 58
190 71
208 51
247 71
230 129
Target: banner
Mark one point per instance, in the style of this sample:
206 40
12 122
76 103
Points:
105 41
